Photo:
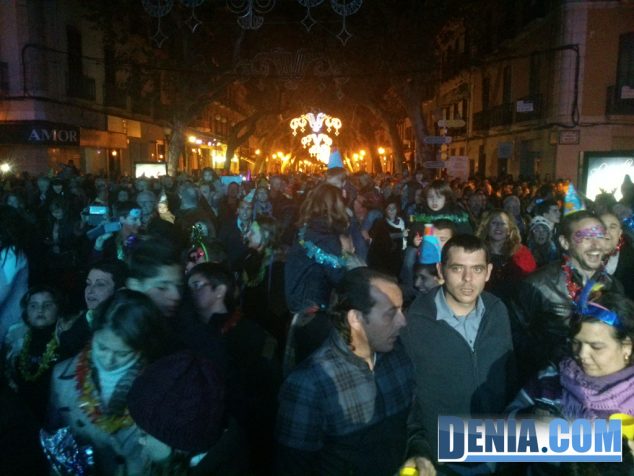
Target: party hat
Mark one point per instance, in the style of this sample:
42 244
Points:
572 201
335 160
250 196
430 247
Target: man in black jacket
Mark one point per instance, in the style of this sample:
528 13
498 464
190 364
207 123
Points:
459 339
545 300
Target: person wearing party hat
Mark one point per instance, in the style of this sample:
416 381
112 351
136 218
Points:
336 173
426 277
544 302
596 380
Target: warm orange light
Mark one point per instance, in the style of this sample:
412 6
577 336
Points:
381 150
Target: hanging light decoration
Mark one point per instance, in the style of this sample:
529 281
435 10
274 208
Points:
318 143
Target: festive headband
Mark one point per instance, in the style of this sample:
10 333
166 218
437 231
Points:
592 309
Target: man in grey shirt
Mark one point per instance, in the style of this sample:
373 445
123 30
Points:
459 339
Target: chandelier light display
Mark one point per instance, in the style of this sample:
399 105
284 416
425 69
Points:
318 143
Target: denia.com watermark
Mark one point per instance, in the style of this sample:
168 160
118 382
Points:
528 440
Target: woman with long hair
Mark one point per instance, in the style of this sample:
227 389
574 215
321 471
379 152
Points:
511 260
14 267
89 391
316 262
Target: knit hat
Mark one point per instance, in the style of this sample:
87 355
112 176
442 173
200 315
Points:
430 247
540 220
179 400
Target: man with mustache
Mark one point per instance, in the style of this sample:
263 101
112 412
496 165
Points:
344 409
545 300
459 340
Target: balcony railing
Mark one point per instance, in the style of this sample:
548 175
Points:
81 87
617 104
501 115
528 108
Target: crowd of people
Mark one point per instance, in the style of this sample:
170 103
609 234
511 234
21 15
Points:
303 324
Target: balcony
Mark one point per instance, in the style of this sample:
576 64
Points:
81 87
616 104
501 115
114 96
528 108
481 121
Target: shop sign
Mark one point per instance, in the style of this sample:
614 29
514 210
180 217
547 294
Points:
437 140
39 133
570 137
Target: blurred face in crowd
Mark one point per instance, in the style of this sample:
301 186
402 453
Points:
586 244
443 235
540 234
99 287
164 288
57 188
435 200
132 222
147 203
465 275
57 212
208 176
598 351
512 206
613 229
43 185
204 295
382 325
553 214
232 190
110 351
13 201
245 211
391 211
425 281
41 310
499 228
262 195
123 196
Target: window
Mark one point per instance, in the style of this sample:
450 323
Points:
533 75
625 71
73 38
506 85
486 85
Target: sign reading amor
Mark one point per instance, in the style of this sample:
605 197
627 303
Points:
39 133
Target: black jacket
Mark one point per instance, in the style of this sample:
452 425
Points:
541 313
451 379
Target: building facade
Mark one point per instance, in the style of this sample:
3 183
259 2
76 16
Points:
553 84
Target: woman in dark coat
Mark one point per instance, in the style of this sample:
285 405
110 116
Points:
388 241
317 261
